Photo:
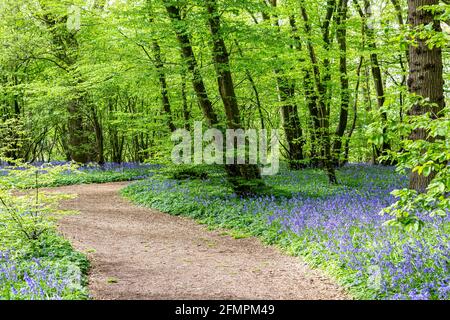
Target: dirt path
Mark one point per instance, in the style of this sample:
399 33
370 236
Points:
139 253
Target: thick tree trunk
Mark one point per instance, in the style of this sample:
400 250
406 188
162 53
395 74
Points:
66 51
116 142
188 54
425 77
77 141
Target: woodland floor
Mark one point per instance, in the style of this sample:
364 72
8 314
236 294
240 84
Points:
139 253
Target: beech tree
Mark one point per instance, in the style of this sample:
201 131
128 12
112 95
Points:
336 77
425 75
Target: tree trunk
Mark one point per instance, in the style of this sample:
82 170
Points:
159 65
289 110
226 89
186 111
323 132
341 35
116 142
291 123
326 37
254 88
77 142
98 137
66 51
376 71
425 77
401 22
188 54
355 111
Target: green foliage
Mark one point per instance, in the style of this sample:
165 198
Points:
28 176
246 187
347 250
183 172
25 175
37 262
85 80
108 67
428 158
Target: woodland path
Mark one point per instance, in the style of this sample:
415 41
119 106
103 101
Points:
140 253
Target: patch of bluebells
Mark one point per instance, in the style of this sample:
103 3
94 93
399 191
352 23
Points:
35 279
338 227
92 166
119 167
109 171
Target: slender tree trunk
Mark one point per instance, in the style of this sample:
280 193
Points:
186 111
226 88
188 54
401 22
99 138
425 77
355 111
289 110
323 112
254 88
159 65
341 35
291 123
369 31
326 37
311 99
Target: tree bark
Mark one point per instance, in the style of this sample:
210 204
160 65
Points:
291 122
66 51
323 132
311 100
186 110
254 88
188 54
289 110
369 31
425 78
226 88
159 65
355 111
341 35
98 137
